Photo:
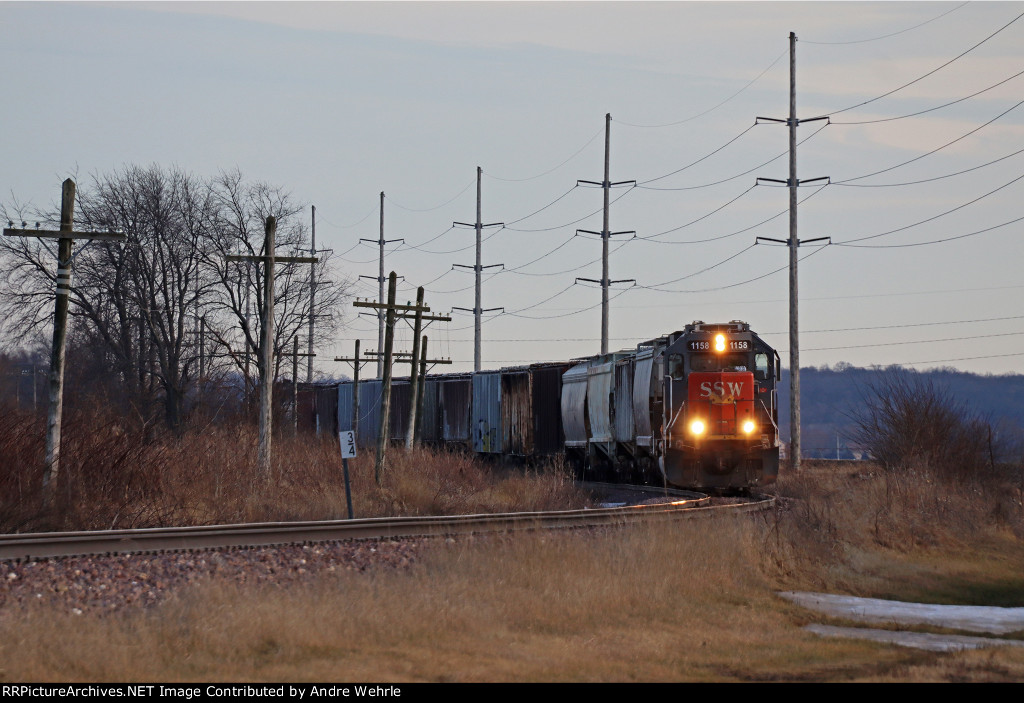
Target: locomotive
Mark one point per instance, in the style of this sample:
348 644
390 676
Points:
696 408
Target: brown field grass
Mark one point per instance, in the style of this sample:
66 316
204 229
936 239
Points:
689 601
685 601
114 476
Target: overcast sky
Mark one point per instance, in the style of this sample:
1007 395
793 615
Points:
339 101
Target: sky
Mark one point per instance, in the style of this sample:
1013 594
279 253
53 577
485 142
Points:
340 101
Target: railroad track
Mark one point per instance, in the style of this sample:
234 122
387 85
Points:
62 544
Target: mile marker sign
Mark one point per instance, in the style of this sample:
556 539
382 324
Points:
348 444
347 439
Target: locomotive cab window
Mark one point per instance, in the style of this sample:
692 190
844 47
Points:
761 365
715 362
675 367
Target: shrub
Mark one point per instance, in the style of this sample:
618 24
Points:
908 423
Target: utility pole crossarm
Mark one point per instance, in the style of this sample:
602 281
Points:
799 182
351 360
373 353
426 318
606 183
407 358
777 120
58 234
798 242
276 259
610 234
594 280
385 306
474 268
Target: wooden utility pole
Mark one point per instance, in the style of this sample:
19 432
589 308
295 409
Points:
421 391
312 299
267 342
202 349
605 234
417 358
793 243
356 363
414 375
393 312
478 305
295 385
65 236
381 242
418 430
295 381
385 409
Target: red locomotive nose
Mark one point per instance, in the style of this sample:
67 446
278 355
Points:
722 400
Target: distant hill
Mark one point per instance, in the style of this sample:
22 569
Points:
831 396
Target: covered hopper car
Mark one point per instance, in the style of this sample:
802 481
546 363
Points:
695 409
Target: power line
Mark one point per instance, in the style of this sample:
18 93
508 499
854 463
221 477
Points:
417 247
649 238
702 217
886 36
436 207
706 156
921 341
574 222
734 285
933 151
535 212
962 358
935 217
934 241
939 107
740 175
571 269
927 180
905 325
656 286
933 71
710 110
550 170
568 314
354 224
451 251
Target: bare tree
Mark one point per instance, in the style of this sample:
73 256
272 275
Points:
138 304
239 303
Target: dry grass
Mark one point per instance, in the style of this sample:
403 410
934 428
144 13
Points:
685 601
642 604
690 601
115 476
853 527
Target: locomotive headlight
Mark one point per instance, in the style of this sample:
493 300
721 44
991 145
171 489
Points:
720 342
749 426
697 427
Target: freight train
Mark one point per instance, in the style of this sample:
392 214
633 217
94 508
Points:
695 409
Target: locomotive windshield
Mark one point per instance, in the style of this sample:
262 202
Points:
719 362
707 362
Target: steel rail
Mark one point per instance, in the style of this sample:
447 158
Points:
62 544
